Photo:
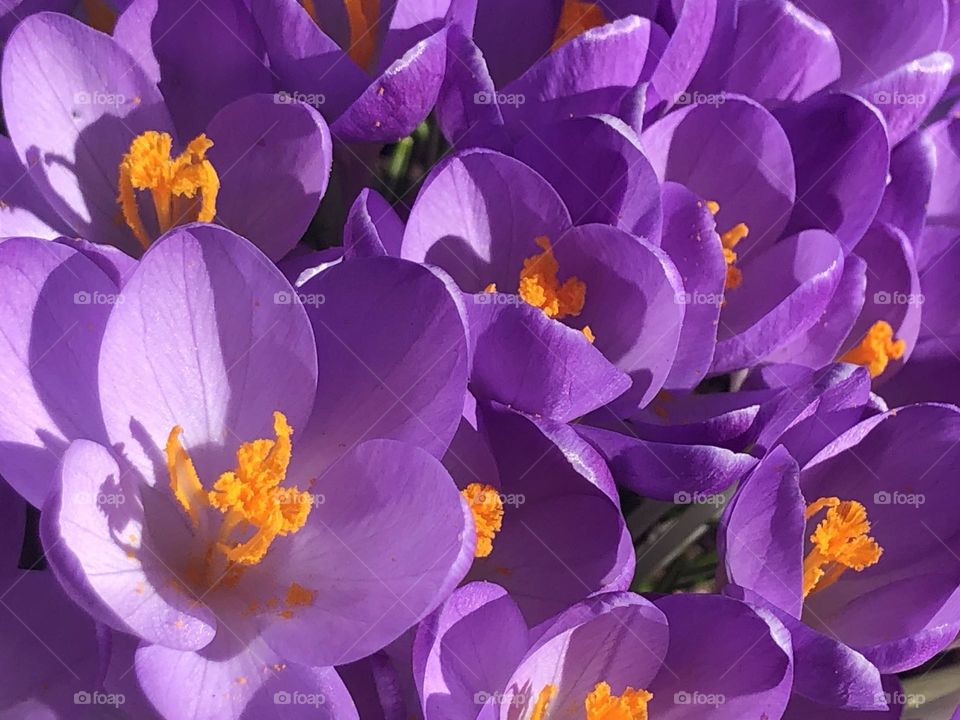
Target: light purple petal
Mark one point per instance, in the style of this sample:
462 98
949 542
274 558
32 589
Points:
274 161
373 227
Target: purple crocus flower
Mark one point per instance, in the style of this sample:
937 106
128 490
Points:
556 533
135 134
593 308
614 655
854 551
227 466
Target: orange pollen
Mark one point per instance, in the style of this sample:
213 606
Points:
100 16
486 506
250 498
491 288
840 543
876 349
630 705
588 333
184 189
543 700
540 287
576 17
728 241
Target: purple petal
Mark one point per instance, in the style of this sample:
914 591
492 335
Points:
366 596
785 290
451 224
74 126
760 538
876 37
55 307
274 162
563 536
305 60
587 75
906 95
219 36
734 153
603 177
373 227
945 136
532 363
691 241
222 344
467 650
842 156
747 661
392 357
775 52
686 49
906 198
400 98
24 211
97 540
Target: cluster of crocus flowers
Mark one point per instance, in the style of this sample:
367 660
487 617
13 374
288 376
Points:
269 451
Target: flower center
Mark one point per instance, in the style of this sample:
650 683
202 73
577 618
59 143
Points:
876 349
256 510
600 704
840 543
486 506
576 17
728 241
362 16
540 287
184 189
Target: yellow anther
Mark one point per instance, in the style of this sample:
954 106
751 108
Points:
184 189
186 486
543 700
250 497
486 506
540 287
251 494
576 17
728 241
876 349
840 543
362 16
630 705
491 288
